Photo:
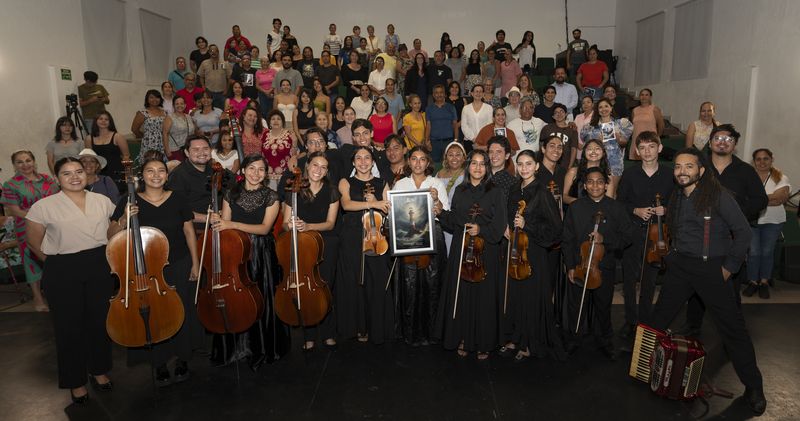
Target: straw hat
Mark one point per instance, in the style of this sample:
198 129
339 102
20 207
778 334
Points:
89 152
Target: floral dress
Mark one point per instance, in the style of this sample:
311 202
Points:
405 64
276 150
152 134
22 192
606 133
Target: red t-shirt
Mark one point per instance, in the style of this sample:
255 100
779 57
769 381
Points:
381 127
189 97
241 38
592 73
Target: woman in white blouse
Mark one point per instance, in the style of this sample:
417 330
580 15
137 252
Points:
761 258
67 231
362 104
698 132
475 115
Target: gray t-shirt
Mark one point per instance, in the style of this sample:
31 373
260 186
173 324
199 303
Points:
579 48
60 150
293 76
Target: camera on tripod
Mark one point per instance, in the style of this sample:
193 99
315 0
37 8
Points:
72 100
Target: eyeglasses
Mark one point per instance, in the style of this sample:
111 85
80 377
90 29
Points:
315 143
724 138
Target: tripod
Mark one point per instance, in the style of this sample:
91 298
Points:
74 114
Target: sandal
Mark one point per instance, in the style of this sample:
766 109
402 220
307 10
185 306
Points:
522 356
460 351
483 356
363 338
308 346
507 350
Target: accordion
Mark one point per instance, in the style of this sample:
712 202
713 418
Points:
671 364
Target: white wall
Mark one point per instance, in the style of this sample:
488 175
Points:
37 35
467 21
745 35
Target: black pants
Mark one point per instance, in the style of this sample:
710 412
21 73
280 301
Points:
689 275
696 308
632 264
601 307
78 287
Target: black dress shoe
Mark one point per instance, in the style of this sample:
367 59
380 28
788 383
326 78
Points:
163 377
763 291
181 371
609 352
79 400
750 289
104 387
755 400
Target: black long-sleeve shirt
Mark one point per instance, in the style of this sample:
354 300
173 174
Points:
745 186
491 220
729 234
638 190
615 228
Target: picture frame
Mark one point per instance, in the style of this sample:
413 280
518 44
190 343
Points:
411 222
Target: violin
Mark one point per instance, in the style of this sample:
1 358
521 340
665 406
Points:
519 267
374 243
302 298
591 255
229 302
589 268
236 133
657 239
553 187
146 310
472 269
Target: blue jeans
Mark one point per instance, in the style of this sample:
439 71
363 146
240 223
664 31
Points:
264 104
218 100
761 258
437 149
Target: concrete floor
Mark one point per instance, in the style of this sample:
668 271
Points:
396 382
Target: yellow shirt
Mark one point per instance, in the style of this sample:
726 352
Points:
417 129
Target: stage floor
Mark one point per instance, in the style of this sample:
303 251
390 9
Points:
397 382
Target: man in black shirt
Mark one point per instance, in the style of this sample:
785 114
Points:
743 183
191 177
246 75
438 73
500 46
362 136
637 191
710 238
499 151
614 232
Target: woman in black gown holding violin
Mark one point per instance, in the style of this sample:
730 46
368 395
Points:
252 207
364 311
169 212
317 209
474 326
528 323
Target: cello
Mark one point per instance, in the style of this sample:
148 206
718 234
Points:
229 302
592 253
303 298
146 310
657 239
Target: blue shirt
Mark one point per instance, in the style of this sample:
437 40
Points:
441 120
176 78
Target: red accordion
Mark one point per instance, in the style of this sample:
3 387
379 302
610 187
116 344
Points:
672 364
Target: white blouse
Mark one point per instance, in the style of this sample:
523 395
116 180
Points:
774 214
67 228
407 184
362 108
472 122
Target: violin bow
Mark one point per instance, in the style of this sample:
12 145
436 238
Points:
127 253
202 254
389 279
508 261
460 262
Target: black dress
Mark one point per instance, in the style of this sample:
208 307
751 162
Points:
169 217
368 308
529 321
418 292
268 339
476 321
114 169
348 76
314 210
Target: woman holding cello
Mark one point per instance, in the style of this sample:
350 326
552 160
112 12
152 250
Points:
317 209
252 207
67 231
529 327
602 220
169 212
365 307
468 311
418 278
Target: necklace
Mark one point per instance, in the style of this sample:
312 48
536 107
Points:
159 200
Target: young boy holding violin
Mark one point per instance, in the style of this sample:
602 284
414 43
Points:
613 233
637 192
